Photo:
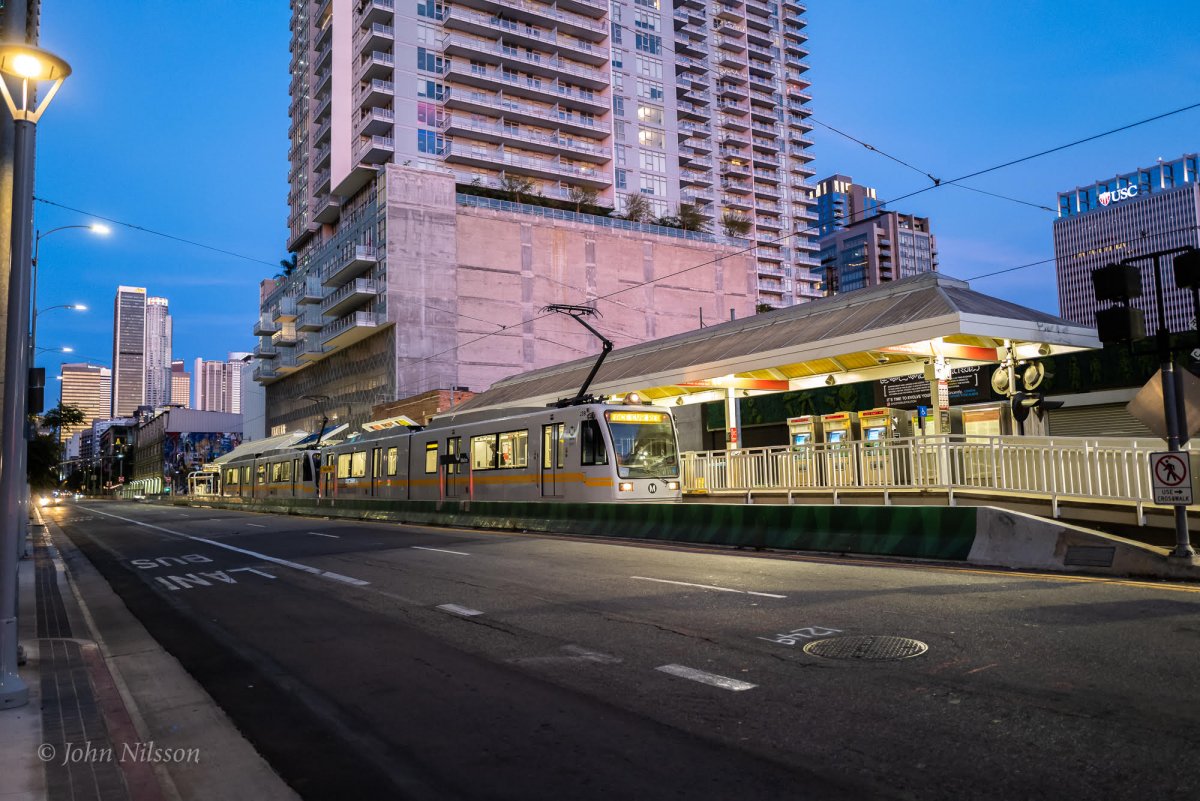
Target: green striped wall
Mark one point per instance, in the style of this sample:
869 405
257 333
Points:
926 532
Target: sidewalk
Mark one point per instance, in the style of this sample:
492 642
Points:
112 716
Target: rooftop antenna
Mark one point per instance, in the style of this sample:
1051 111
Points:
578 313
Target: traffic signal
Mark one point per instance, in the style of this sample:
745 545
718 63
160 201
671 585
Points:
1025 402
1187 269
1119 283
1118 324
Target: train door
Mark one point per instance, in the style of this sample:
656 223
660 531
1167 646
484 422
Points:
294 478
554 447
454 469
377 480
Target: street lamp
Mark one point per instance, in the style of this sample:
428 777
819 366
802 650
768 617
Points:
28 66
96 228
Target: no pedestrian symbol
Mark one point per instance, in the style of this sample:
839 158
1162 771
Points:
1171 478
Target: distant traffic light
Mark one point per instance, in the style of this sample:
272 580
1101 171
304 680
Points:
1187 269
1118 324
1119 283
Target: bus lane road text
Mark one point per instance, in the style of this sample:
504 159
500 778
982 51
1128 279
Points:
200 578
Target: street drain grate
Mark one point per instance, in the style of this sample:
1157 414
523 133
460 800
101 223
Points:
866 648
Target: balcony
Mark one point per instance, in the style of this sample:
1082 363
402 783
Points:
310 291
310 348
728 27
735 170
731 44
321 155
320 182
767 190
592 8
349 297
549 91
286 337
321 106
375 150
263 373
374 11
347 330
354 261
377 37
734 76
735 139
731 61
735 186
535 63
540 141
266 326
686 63
728 12
737 202
375 65
522 33
287 364
286 312
376 94
326 208
544 15
310 319
695 178
516 111
550 169
265 350
693 129
734 124
324 57
376 121
769 145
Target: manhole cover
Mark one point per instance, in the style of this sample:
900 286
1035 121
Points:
866 648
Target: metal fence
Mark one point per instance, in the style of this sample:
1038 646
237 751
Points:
1050 468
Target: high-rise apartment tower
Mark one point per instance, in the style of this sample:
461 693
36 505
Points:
584 101
181 384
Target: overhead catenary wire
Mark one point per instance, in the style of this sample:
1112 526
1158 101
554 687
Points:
811 229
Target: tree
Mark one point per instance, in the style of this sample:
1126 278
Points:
690 218
763 308
582 196
735 224
42 462
63 415
518 187
288 265
637 208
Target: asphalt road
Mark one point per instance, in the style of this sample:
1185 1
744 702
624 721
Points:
376 661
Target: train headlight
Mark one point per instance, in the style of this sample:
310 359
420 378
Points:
633 399
672 485
625 486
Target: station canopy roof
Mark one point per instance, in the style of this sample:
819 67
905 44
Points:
257 447
885 331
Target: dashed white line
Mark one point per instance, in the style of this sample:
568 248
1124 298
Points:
256 525
709 587
319 534
316 571
724 682
459 610
440 550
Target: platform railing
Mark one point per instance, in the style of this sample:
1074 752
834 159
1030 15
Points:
1052 468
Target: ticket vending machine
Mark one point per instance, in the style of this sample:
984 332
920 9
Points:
801 465
838 462
885 461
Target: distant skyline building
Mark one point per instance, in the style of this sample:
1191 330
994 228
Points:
181 384
158 352
841 202
885 247
89 388
219 384
1133 213
129 351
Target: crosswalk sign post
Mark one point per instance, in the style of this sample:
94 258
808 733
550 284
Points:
1171 478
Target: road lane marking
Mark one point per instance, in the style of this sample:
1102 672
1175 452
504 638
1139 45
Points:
796 635
575 654
709 587
256 525
459 610
319 534
724 682
440 550
316 571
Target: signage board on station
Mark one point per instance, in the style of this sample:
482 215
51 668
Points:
966 385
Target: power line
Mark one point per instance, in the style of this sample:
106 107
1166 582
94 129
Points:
153 232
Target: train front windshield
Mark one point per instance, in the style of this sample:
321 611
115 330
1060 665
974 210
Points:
643 444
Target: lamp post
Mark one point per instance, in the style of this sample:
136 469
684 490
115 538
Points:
27 66
34 311
96 228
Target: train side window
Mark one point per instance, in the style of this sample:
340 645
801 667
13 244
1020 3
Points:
286 473
343 465
592 450
276 472
306 468
393 461
431 457
483 452
358 464
514 449
260 474
246 475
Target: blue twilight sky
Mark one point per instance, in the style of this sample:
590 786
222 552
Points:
176 120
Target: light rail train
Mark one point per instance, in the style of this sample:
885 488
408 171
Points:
590 452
